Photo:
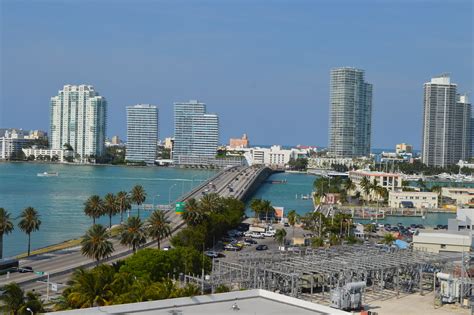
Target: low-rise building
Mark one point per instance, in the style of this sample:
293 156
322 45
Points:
464 220
389 181
12 142
50 154
444 241
275 156
403 148
255 301
236 143
412 199
462 196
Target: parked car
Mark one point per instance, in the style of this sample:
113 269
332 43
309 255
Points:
256 235
286 224
212 254
167 247
231 247
261 247
269 234
250 241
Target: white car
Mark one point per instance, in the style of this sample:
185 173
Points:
256 235
269 234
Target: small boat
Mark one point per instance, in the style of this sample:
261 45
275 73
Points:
47 174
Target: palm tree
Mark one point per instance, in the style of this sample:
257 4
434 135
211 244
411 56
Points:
193 215
13 298
280 236
366 187
388 239
292 217
96 244
349 185
94 207
138 196
436 188
159 226
123 200
29 223
133 233
256 206
6 227
267 208
210 203
89 288
111 206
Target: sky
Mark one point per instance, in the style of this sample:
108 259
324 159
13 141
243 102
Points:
263 66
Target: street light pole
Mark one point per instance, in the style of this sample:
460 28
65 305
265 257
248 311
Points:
29 310
47 288
154 201
169 194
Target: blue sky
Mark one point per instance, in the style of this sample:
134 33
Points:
263 66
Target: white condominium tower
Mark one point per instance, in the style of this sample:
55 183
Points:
196 133
78 118
142 133
350 113
446 123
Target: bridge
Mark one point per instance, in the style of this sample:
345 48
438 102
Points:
239 182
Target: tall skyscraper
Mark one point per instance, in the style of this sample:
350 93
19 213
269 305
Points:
350 114
79 118
142 133
446 123
196 133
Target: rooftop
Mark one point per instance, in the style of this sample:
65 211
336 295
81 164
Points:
255 301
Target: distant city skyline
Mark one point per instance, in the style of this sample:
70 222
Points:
254 65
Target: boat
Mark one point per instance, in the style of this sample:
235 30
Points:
47 174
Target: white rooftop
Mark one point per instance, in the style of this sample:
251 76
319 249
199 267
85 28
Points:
247 302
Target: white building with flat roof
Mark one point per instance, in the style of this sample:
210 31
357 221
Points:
389 181
78 117
418 199
246 302
52 154
444 241
462 196
142 133
275 156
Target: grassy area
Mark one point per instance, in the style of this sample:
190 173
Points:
67 244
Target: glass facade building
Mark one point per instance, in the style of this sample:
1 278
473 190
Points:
142 133
350 113
196 133
78 117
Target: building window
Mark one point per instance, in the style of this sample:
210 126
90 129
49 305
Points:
443 245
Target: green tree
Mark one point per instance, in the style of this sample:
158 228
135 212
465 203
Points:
94 207
6 227
280 236
124 203
267 208
349 186
366 187
138 196
256 206
292 218
210 203
193 215
158 226
90 288
317 242
111 206
96 243
388 239
30 222
133 233
15 302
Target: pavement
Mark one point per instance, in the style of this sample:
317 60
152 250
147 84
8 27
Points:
60 264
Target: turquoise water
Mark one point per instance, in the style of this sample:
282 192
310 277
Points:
59 200
284 195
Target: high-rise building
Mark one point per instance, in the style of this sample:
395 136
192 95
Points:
196 133
142 133
79 118
350 114
446 124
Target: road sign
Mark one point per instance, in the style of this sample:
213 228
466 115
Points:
54 287
180 207
39 273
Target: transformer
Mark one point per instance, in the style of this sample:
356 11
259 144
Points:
348 297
